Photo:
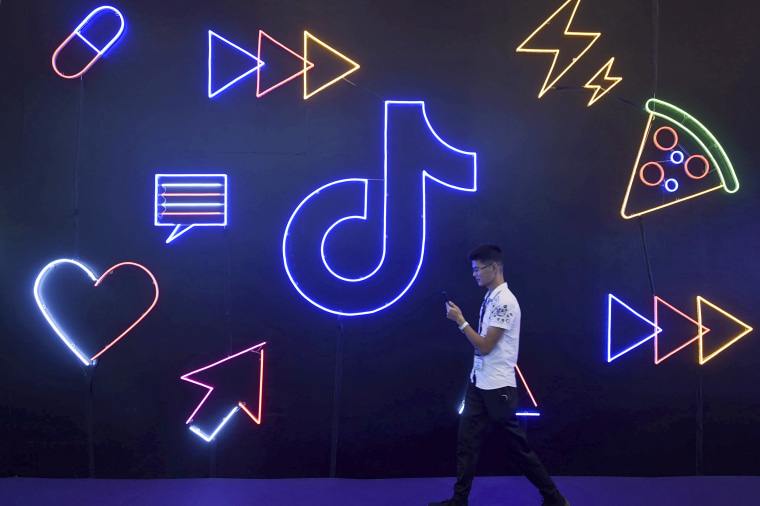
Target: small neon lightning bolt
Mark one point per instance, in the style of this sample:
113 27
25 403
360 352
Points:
597 87
523 49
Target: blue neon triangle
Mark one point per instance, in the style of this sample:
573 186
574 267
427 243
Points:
629 347
213 40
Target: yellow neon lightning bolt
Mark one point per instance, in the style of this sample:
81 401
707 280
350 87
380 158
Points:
523 49
597 87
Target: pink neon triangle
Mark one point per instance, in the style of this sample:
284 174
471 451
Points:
309 65
657 358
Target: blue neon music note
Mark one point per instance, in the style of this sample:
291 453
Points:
340 222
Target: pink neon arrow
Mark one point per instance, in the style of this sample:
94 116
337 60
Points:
254 349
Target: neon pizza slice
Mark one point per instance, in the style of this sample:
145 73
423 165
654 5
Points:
712 158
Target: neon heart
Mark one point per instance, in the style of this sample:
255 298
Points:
72 346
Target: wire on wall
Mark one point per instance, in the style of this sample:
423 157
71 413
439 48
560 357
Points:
75 203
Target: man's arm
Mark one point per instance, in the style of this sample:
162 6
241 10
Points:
484 345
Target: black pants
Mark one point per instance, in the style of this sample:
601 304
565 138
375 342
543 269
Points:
500 405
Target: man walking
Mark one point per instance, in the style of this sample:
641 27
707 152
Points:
492 391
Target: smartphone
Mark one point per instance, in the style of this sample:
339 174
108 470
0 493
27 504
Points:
445 296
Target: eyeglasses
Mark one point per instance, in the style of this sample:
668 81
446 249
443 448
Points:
478 269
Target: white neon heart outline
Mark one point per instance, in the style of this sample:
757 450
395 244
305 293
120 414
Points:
71 345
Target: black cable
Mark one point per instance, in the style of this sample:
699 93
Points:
655 45
89 373
646 255
76 168
336 401
228 290
365 90
699 450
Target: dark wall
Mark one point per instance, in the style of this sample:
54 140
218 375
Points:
78 158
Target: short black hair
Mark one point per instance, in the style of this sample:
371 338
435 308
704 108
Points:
486 253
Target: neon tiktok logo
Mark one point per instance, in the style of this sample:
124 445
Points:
347 222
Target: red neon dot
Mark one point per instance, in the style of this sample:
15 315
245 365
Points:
654 164
659 138
705 165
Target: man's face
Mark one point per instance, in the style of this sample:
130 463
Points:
483 273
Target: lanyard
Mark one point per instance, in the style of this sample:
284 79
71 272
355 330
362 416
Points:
482 312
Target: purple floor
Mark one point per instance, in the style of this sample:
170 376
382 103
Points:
490 491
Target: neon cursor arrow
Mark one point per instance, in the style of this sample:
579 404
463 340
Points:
233 408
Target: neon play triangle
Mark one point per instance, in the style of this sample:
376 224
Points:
627 347
354 66
702 331
306 66
663 162
214 40
732 340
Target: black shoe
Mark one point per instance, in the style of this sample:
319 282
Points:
559 501
450 502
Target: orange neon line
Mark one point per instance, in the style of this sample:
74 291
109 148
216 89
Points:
658 360
674 202
675 138
747 330
635 165
521 48
261 393
535 404
155 284
643 179
688 172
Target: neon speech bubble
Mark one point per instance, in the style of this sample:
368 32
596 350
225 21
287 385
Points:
184 201
399 170
90 21
80 354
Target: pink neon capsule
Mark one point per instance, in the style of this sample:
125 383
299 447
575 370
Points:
91 22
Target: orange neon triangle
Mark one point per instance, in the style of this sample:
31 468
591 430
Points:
702 331
747 330
354 66
307 65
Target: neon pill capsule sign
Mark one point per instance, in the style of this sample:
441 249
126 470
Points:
94 31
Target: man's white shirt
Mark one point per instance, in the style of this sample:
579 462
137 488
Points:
500 309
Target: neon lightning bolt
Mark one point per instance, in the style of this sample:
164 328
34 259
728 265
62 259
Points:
597 87
523 49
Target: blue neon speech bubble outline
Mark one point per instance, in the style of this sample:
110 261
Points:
181 228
